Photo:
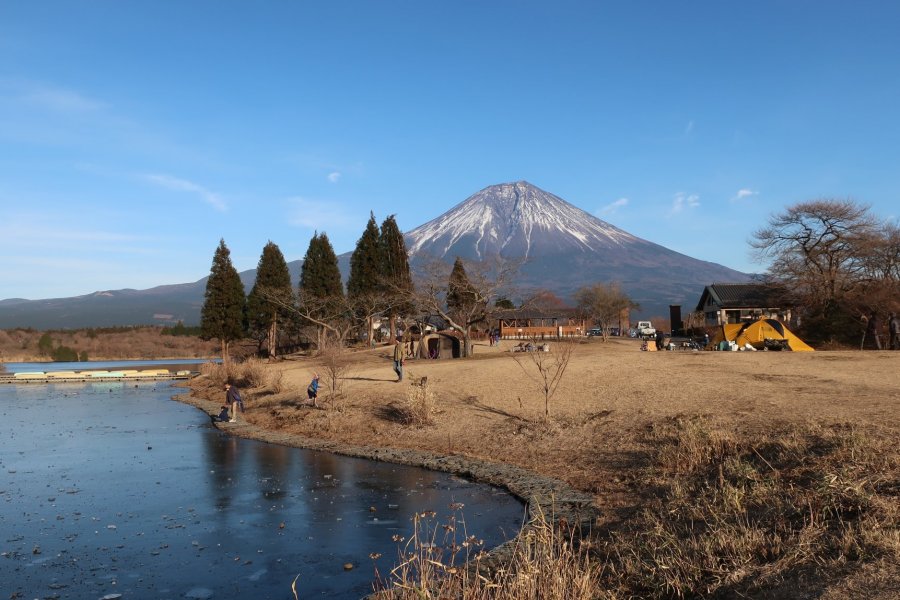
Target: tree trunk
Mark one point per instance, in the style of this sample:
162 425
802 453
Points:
225 352
467 344
393 328
273 339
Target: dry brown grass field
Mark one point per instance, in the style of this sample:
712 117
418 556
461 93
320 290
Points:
715 474
21 345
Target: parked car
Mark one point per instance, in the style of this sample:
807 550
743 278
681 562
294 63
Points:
595 332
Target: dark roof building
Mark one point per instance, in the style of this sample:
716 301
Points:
741 302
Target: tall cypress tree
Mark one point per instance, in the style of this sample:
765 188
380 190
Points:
364 283
365 263
321 290
460 293
320 276
222 315
396 278
270 296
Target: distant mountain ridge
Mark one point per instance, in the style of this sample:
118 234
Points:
563 247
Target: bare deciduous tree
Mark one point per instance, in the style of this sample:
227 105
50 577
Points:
817 246
546 369
604 304
336 364
487 281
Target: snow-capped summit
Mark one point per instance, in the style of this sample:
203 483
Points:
514 220
563 247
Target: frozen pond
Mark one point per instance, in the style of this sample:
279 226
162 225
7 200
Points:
113 488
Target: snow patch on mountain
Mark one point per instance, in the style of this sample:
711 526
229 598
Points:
514 219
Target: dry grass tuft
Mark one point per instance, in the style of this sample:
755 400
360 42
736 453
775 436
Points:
252 374
418 409
735 514
443 561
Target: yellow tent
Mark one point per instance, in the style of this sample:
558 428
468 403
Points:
763 334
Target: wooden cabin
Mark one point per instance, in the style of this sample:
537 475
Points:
723 303
529 324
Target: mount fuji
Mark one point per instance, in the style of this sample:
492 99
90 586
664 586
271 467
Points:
562 248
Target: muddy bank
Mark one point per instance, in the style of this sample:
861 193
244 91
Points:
552 496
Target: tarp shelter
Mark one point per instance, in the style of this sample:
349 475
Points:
761 334
440 345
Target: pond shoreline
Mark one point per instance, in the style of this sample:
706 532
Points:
553 498
547 494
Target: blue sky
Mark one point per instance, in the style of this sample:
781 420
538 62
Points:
134 135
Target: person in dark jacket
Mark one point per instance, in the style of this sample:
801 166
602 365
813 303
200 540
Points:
894 330
872 336
233 399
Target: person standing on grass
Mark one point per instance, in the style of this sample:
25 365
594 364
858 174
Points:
233 399
873 333
398 359
894 330
313 390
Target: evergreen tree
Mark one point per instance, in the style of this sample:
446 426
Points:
366 263
461 295
222 315
270 296
364 286
396 278
320 276
321 291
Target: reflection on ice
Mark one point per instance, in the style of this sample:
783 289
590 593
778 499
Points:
113 481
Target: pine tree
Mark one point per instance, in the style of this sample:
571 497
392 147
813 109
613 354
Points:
365 263
396 278
364 286
222 315
461 296
320 276
270 296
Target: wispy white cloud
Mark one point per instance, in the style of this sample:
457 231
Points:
682 201
183 185
334 176
61 100
318 214
36 230
612 207
689 128
742 194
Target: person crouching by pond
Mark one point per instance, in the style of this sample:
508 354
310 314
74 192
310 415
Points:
398 359
233 399
223 414
313 390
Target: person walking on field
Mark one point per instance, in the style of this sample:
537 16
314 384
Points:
233 399
872 336
398 359
313 390
894 330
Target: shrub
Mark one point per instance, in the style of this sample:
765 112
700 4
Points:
419 406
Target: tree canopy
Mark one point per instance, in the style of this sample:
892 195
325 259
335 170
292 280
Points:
605 304
320 276
222 315
837 261
271 292
366 263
